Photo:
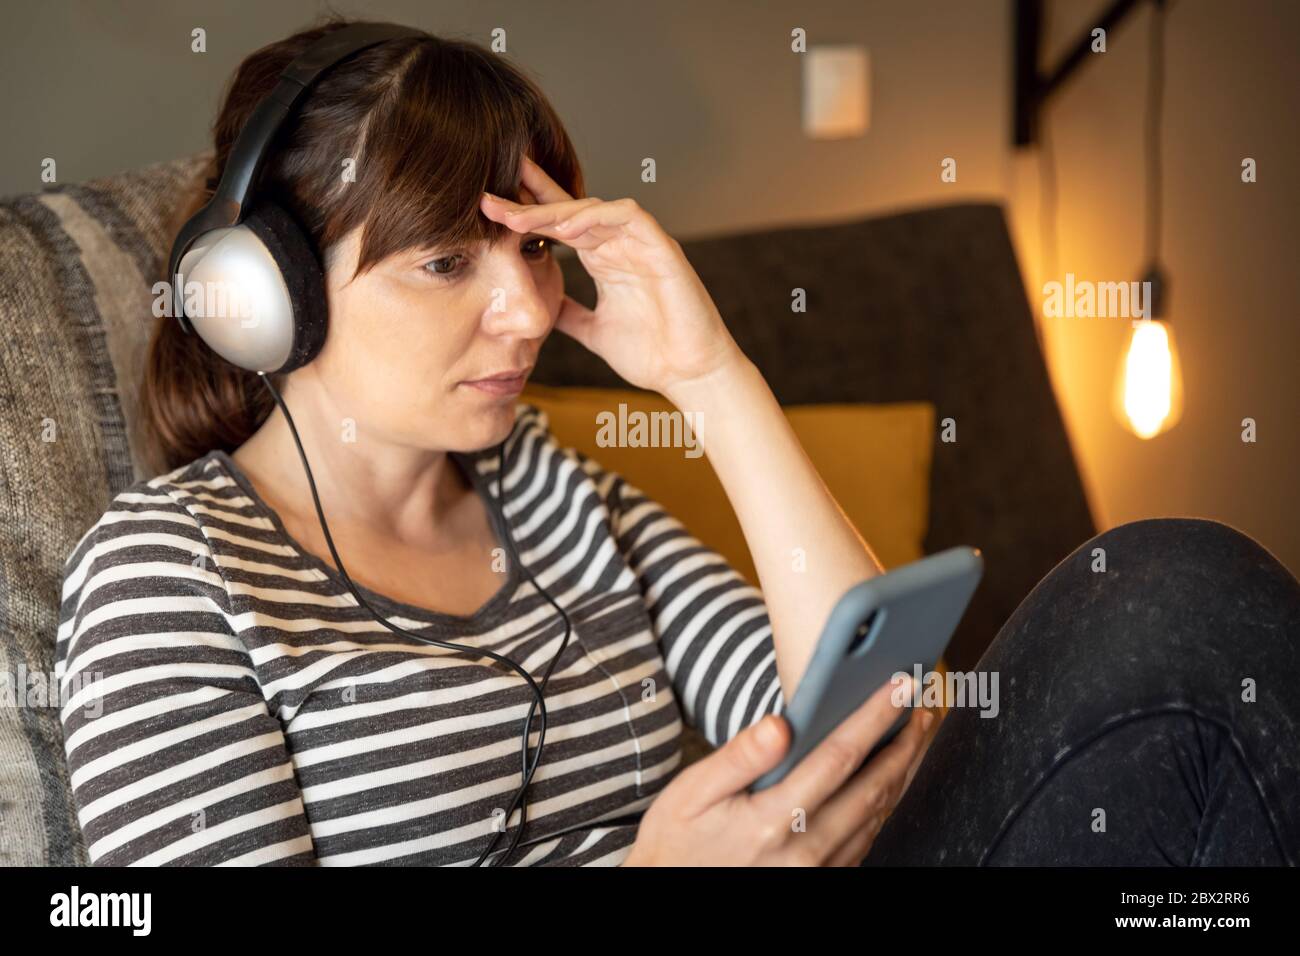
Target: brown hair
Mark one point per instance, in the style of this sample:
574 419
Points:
431 123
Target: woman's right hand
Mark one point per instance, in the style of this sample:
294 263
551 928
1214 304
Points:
821 814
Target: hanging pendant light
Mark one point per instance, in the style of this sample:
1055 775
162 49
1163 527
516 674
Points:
1150 399
1149 394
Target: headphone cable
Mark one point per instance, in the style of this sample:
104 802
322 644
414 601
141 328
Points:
539 701
499 502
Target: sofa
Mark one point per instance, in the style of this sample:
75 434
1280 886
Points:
924 310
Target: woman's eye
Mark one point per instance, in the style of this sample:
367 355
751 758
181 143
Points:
448 267
442 267
537 247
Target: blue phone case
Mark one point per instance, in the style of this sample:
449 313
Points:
881 626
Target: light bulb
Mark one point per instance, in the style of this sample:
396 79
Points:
1151 400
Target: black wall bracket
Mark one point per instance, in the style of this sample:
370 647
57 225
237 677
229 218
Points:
1033 87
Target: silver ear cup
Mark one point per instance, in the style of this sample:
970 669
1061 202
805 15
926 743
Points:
236 299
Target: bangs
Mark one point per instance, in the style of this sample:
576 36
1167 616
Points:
453 125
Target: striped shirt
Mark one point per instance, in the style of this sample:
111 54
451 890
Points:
229 702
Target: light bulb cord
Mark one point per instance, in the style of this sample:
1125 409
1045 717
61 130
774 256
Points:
1154 119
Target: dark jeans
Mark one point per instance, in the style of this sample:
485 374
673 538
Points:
1125 700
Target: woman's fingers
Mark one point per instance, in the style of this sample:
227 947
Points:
580 223
601 221
928 730
536 188
535 217
540 183
874 791
821 773
735 765
544 219
855 849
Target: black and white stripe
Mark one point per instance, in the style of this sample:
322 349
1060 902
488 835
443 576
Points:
239 707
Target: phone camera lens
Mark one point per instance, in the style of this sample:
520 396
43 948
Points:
863 632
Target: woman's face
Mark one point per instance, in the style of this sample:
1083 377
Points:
407 338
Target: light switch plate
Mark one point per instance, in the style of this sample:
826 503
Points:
836 91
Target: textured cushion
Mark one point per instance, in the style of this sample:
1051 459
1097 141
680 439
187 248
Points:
874 459
77 266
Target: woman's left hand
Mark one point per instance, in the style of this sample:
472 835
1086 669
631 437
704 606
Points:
654 322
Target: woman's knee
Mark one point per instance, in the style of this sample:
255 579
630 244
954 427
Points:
1155 617
1182 552
1166 582
1170 612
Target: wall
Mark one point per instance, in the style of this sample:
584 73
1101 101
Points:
712 91
1229 248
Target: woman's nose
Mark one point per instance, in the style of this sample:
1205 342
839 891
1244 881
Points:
516 307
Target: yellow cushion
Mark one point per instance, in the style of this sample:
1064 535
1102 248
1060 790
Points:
875 459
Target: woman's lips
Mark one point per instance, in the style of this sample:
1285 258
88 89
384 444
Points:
500 386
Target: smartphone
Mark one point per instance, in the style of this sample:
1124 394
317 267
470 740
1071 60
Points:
880 626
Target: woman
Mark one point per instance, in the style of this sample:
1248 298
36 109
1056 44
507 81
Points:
254 712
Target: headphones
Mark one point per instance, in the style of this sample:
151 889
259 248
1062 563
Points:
261 261
251 253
